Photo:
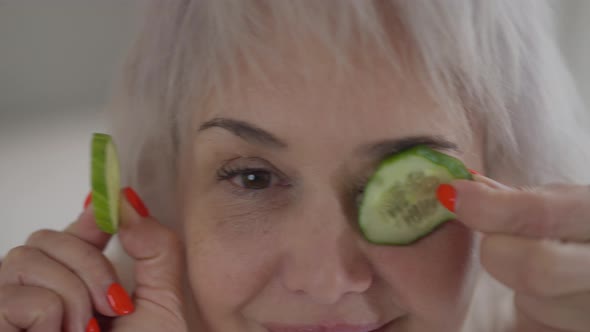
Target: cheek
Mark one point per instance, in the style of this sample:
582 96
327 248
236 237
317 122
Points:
228 264
433 276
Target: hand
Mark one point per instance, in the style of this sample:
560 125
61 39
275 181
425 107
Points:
58 279
537 242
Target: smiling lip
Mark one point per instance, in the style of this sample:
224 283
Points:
325 328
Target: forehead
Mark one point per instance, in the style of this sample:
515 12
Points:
315 99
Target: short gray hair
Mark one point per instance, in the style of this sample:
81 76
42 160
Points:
499 59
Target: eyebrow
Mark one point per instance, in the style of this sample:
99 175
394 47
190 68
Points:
389 147
246 131
379 150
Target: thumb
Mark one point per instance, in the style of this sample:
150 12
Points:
157 253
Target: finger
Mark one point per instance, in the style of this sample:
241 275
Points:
560 212
85 228
32 309
523 323
157 254
543 268
85 260
29 266
569 313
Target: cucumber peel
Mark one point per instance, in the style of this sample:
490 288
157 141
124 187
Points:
399 205
105 183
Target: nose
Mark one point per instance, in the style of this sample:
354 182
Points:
324 259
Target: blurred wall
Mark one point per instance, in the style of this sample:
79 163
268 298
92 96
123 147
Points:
60 54
575 41
57 59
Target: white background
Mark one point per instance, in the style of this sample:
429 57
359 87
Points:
57 60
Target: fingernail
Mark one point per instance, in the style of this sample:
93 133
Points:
447 195
119 300
88 200
92 326
473 172
136 202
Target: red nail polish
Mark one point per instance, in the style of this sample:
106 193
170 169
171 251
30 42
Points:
119 300
88 200
136 202
447 195
92 326
473 172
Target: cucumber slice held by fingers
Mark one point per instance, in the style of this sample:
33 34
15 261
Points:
105 184
399 205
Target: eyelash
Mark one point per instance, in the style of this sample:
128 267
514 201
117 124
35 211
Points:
227 173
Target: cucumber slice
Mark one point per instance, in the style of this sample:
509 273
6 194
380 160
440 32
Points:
399 205
105 183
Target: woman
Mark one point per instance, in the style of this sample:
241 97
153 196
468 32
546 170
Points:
249 128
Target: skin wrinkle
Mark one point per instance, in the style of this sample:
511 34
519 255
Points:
245 131
265 265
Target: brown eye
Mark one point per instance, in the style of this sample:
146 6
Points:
254 180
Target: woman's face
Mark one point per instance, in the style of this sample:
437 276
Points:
270 188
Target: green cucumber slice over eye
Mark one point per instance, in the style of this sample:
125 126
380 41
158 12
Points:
105 182
399 205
